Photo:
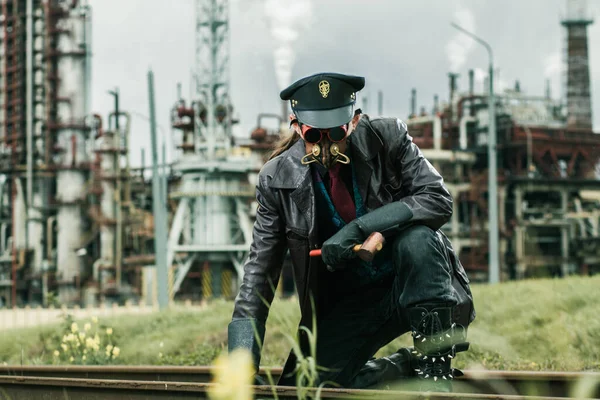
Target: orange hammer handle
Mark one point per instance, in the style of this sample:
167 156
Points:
366 251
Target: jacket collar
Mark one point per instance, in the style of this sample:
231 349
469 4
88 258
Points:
290 173
364 144
365 141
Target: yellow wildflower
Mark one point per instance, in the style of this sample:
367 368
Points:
160 355
109 331
56 353
90 343
95 319
81 335
232 376
87 327
64 347
74 327
71 359
116 351
83 358
84 351
108 350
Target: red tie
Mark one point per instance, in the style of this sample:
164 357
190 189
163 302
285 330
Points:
341 197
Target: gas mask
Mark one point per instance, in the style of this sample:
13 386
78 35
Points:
326 148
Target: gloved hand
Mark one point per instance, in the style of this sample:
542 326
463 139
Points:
338 248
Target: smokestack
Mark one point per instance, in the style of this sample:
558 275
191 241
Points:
579 102
517 86
452 79
471 81
548 92
380 103
413 103
436 106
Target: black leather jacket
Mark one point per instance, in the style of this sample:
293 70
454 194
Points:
389 167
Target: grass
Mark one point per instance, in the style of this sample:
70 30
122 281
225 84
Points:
526 325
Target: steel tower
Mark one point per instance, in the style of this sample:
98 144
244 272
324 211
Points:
211 228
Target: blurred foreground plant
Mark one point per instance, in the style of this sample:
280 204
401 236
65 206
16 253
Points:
233 374
83 343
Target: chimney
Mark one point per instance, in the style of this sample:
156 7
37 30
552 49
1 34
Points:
517 86
436 106
471 81
380 103
548 92
413 103
453 78
579 101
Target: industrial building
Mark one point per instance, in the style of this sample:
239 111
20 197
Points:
78 224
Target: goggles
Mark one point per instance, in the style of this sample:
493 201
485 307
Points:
315 135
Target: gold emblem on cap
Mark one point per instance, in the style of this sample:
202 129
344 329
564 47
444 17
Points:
324 88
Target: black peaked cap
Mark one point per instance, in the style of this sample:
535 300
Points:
324 100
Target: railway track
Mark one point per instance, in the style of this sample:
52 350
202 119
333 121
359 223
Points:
149 382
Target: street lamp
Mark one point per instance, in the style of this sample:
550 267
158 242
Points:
494 265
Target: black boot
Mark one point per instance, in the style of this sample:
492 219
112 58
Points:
436 339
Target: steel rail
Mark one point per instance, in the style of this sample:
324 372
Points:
34 388
558 384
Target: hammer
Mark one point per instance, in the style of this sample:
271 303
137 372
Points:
366 251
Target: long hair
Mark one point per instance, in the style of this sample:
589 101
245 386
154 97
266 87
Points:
285 142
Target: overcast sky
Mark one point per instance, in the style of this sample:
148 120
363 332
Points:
395 44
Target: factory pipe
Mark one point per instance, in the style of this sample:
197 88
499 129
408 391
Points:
49 236
462 140
413 103
471 81
437 132
29 107
159 209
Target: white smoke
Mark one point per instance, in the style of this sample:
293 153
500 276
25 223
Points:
460 45
553 65
481 75
287 18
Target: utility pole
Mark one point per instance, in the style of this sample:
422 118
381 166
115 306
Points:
159 209
493 234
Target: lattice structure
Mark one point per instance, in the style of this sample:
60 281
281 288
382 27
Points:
211 229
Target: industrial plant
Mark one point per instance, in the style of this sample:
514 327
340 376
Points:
79 225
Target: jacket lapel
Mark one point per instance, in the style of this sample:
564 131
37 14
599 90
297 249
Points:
294 176
365 144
